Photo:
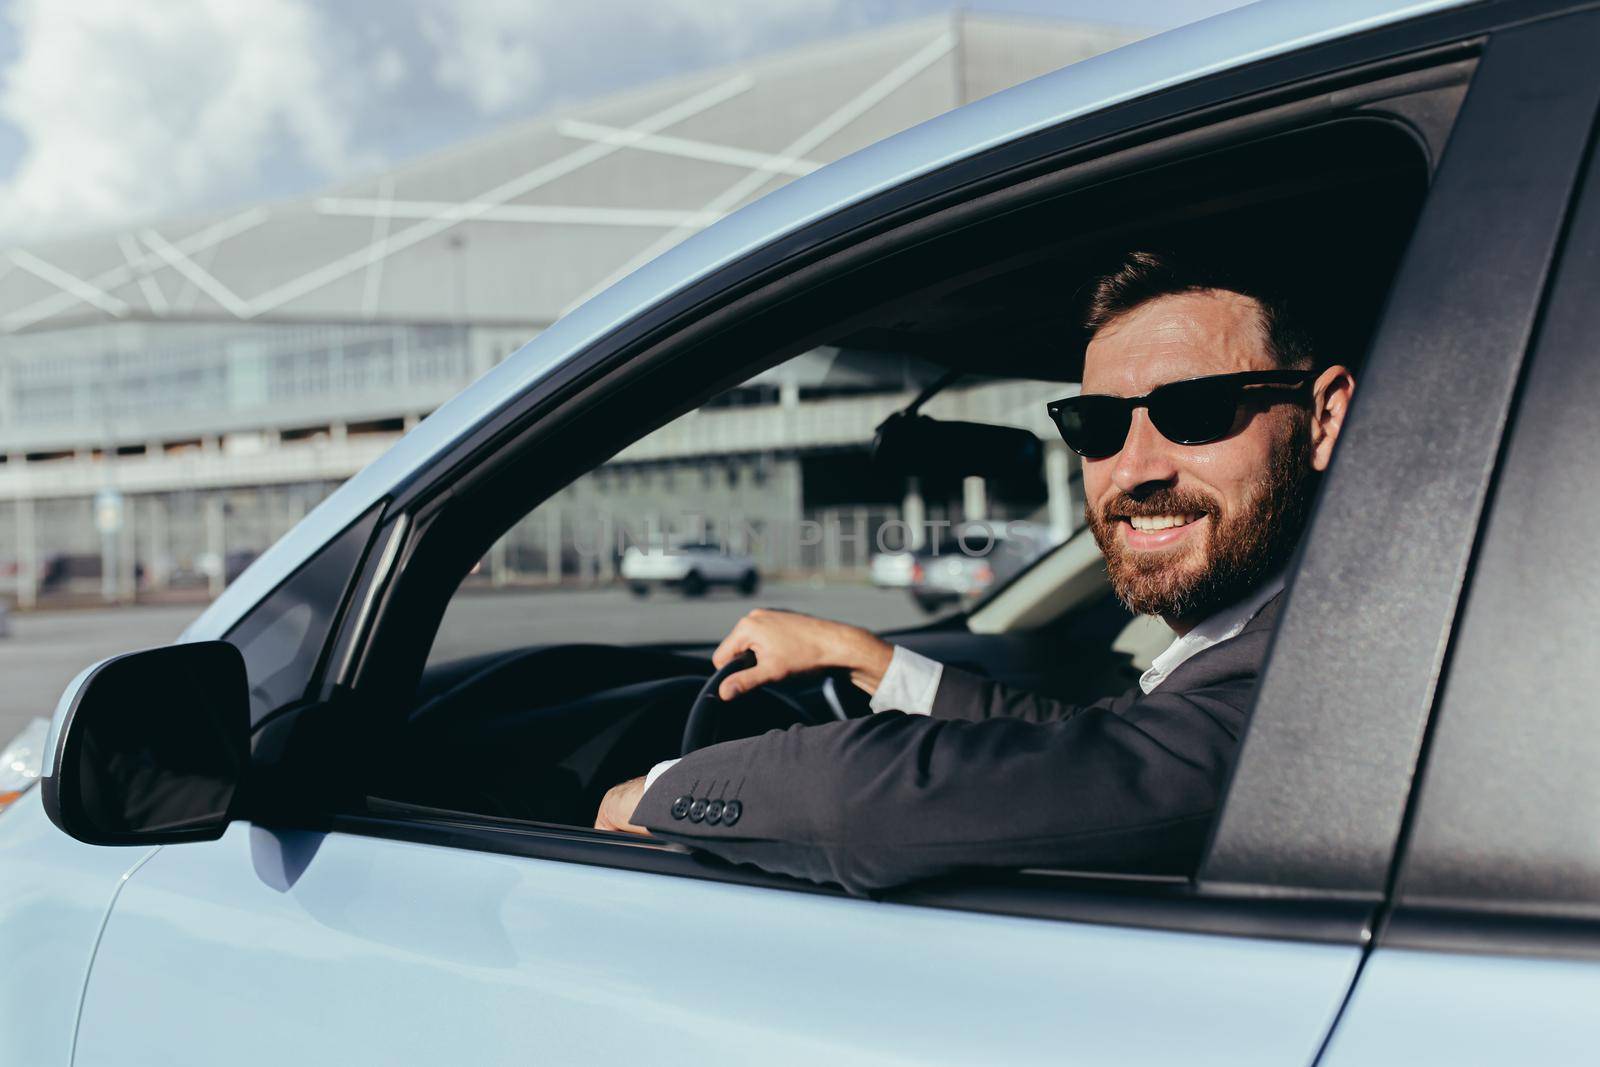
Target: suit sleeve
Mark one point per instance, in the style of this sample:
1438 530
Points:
964 695
891 798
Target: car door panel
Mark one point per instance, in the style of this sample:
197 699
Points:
297 946
1440 1007
56 893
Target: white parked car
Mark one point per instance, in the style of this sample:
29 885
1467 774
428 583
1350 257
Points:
691 568
892 570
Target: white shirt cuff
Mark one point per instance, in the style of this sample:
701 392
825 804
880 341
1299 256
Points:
908 684
656 772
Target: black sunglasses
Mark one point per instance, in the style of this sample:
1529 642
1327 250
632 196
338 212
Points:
1195 411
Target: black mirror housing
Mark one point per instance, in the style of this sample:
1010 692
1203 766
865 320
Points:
913 444
151 747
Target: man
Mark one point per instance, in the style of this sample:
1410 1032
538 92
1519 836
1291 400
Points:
1203 422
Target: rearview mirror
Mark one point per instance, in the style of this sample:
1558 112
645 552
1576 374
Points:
919 445
150 747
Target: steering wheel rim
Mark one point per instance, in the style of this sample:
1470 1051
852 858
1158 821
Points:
703 712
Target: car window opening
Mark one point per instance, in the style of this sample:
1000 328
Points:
573 646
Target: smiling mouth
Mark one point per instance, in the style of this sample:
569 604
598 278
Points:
1159 533
1155 523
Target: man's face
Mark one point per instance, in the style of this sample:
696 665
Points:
1189 529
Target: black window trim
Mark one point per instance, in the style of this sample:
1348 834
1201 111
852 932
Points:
369 521
1440 900
1338 763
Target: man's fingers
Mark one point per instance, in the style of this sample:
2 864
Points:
618 805
737 641
746 680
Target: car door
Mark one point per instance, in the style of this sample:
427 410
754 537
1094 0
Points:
1491 950
407 936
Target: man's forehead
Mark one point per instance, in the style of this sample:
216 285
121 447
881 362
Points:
1185 335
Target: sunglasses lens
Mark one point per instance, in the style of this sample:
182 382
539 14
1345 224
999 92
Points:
1093 426
1194 413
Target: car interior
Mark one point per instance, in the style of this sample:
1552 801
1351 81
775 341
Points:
538 733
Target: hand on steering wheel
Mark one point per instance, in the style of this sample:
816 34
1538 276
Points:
701 724
789 643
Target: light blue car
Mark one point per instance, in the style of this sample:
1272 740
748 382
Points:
1407 865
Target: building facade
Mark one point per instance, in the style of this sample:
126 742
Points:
174 396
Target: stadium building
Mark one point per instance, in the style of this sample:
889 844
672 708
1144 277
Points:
175 396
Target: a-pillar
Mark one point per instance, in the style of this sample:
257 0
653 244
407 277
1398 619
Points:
914 515
1060 499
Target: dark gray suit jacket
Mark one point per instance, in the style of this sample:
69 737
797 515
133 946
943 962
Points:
995 777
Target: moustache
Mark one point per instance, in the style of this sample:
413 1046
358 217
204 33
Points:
1166 501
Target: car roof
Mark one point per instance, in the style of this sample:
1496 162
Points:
1231 39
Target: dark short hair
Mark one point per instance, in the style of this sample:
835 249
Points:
1137 277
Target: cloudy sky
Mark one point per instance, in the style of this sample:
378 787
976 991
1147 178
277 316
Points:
113 111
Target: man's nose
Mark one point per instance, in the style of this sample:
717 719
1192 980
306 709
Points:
1147 458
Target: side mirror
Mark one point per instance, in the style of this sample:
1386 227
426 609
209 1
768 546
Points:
919 445
150 747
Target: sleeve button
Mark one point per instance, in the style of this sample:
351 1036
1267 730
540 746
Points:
680 807
697 810
731 812
714 812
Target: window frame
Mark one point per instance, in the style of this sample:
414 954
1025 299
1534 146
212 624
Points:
1318 76
1337 762
1512 742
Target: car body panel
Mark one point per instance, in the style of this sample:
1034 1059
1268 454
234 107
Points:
55 894
1225 41
1443 1007
377 951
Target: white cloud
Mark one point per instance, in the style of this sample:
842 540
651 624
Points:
389 67
502 53
133 110
488 50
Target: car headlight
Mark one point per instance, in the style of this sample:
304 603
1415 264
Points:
21 761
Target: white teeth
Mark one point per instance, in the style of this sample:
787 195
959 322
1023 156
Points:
1159 522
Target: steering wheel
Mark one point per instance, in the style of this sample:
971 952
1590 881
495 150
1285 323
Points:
703 713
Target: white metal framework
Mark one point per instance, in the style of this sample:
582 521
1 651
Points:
222 354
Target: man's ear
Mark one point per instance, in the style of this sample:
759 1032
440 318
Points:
1330 401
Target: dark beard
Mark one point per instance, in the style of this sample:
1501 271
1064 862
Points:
1241 550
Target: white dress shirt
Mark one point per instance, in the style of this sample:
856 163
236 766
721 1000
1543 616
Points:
911 679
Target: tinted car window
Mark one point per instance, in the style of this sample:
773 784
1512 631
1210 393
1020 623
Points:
283 637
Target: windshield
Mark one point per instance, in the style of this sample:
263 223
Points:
774 494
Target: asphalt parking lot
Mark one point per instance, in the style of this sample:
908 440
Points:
46 649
